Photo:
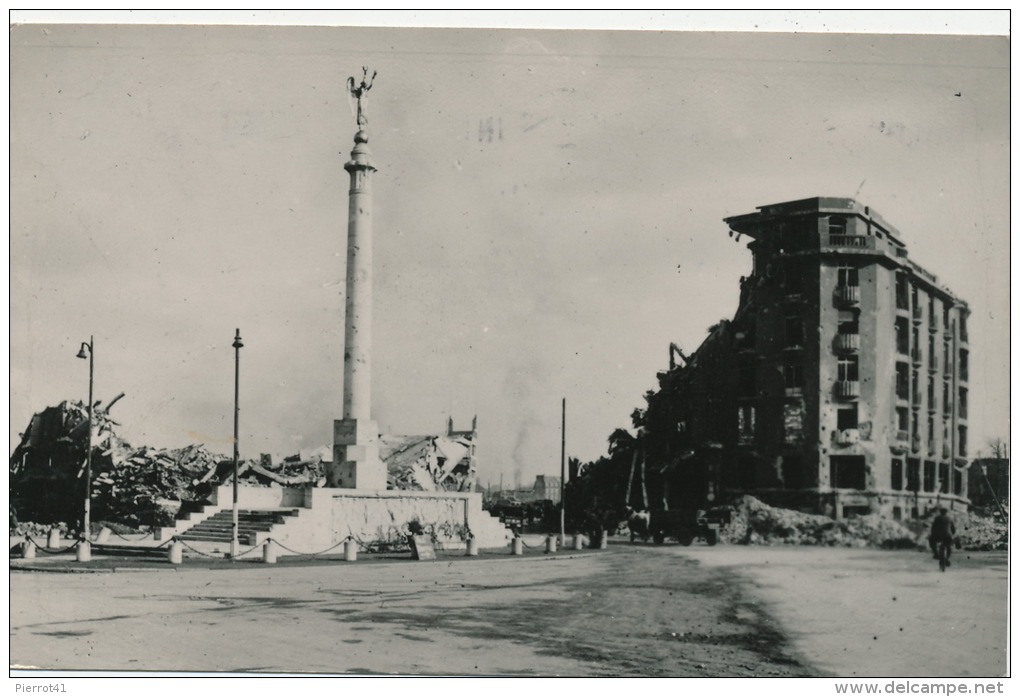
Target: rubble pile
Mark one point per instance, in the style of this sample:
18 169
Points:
131 486
754 522
975 532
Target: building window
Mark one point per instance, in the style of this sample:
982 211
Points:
929 475
902 292
902 381
902 336
848 322
963 327
902 421
947 404
916 377
846 418
846 276
793 376
847 471
961 441
846 369
944 478
794 326
897 475
957 482
931 393
945 316
961 403
964 364
931 311
913 475
837 225
745 424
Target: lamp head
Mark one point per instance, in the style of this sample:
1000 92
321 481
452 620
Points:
237 339
81 351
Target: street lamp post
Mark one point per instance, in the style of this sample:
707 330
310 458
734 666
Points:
234 543
87 517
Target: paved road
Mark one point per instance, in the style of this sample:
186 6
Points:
865 612
632 611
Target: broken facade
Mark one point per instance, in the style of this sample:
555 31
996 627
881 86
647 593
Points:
840 384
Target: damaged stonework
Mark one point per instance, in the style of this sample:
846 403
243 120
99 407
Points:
431 463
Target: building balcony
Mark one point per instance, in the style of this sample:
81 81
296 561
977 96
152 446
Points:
852 241
946 452
847 342
847 295
915 443
933 364
846 436
902 436
931 447
916 356
848 389
916 401
933 327
917 314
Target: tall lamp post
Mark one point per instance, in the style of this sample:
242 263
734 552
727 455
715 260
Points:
237 374
86 352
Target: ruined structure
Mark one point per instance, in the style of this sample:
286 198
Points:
840 384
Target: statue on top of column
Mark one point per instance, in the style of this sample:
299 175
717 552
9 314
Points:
360 92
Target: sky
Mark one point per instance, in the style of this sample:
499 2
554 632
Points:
548 215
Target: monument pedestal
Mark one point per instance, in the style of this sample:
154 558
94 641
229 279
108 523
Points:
356 463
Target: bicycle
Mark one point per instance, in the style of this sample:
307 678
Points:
943 551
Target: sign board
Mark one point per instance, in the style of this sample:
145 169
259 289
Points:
421 548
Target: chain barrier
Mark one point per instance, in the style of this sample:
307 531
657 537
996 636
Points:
199 552
148 534
46 550
308 554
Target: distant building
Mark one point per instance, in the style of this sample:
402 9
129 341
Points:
841 383
548 488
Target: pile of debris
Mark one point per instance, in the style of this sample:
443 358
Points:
144 486
132 486
754 522
429 463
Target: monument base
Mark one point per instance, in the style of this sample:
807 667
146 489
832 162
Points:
356 462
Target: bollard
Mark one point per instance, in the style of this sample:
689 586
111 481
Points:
472 547
550 544
175 553
518 547
578 541
604 540
103 535
53 539
84 551
28 549
269 552
350 550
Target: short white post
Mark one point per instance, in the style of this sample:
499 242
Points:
604 540
84 551
53 539
550 544
518 547
175 553
472 547
578 541
28 549
103 535
269 552
350 550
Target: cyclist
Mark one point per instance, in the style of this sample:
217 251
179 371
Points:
942 531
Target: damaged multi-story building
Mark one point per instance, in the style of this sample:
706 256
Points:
840 385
